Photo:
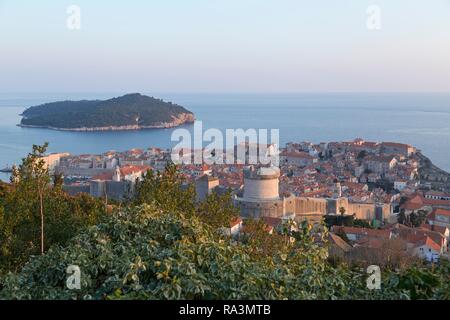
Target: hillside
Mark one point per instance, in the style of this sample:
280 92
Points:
128 112
164 245
432 175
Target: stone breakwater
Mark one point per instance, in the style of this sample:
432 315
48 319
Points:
176 121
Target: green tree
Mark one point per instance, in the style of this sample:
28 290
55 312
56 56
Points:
27 201
146 253
361 155
402 218
217 210
417 219
32 176
403 199
362 223
260 243
167 189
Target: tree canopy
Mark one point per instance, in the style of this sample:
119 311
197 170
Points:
146 253
21 216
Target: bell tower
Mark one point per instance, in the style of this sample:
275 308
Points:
337 190
117 175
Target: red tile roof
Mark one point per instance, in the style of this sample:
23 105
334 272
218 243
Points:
415 234
299 155
339 242
425 241
430 227
271 221
235 221
396 145
133 169
418 201
380 233
103 176
126 170
441 212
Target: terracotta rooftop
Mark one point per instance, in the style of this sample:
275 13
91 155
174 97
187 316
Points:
126 170
427 241
299 155
380 233
418 201
235 221
441 212
271 221
339 242
396 145
435 228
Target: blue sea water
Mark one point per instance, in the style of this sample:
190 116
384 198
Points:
422 120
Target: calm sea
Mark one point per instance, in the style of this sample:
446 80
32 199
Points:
422 120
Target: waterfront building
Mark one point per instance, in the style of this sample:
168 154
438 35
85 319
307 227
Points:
397 148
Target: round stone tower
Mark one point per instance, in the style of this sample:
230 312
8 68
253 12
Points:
261 184
261 197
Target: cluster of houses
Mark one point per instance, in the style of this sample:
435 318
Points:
368 173
424 242
309 169
111 174
389 243
369 180
111 159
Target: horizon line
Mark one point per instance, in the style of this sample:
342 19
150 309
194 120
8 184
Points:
221 92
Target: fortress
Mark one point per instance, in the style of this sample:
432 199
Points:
261 198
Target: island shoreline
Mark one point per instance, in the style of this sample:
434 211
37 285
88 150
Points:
110 128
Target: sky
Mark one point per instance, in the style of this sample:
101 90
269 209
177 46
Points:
219 46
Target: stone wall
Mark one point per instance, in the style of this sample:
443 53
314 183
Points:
76 189
84 172
305 206
313 208
260 209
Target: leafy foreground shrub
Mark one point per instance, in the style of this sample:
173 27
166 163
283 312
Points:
144 253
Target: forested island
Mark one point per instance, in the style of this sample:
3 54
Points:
129 112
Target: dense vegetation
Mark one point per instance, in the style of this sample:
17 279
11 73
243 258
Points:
346 220
414 219
161 244
21 222
130 109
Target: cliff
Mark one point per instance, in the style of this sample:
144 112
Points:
432 175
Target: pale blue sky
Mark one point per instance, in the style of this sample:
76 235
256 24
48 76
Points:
224 46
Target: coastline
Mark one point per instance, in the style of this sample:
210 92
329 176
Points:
433 175
178 121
